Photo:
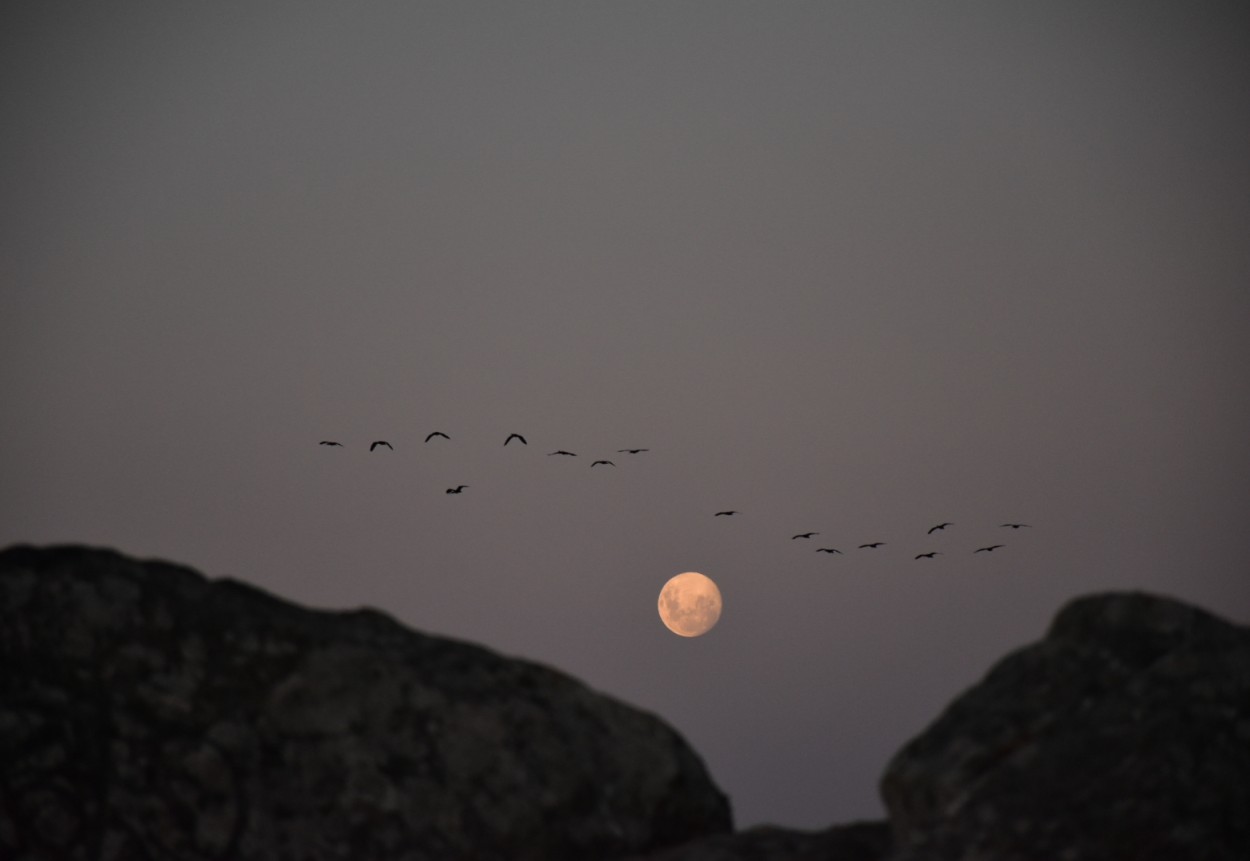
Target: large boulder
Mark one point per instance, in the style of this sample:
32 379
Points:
149 713
1124 734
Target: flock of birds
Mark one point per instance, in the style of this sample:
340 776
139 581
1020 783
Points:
512 436
872 545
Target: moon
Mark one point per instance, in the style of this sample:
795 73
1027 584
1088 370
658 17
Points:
690 604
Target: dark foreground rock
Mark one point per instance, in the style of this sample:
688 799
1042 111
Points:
861 841
1124 734
149 713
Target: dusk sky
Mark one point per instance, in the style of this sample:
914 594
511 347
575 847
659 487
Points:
849 267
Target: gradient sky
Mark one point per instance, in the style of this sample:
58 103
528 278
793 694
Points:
856 268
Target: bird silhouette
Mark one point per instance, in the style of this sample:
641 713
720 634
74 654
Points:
330 442
927 555
1016 525
563 452
936 528
459 488
513 436
724 513
874 545
828 550
989 549
436 433
631 450
604 462
803 535
381 442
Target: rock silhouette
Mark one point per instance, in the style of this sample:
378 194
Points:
149 713
1123 734
859 841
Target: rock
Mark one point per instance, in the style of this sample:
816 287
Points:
149 713
861 841
1124 734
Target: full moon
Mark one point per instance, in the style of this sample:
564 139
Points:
690 604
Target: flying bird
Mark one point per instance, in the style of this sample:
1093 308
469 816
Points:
874 545
436 433
604 462
989 549
936 528
724 513
381 442
563 452
1016 525
927 555
513 436
459 488
828 550
803 535
631 450
330 442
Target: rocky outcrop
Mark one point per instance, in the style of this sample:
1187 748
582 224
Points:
1123 734
149 713
861 841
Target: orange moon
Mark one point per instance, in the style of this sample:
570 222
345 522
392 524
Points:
690 604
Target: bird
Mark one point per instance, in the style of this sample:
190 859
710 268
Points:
381 442
803 535
459 488
436 433
563 452
927 555
513 436
631 450
724 513
936 528
1016 525
874 545
989 549
330 442
604 462
828 550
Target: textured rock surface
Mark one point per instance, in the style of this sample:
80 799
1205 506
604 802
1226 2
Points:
148 713
862 841
1124 734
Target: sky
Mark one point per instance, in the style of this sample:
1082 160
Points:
853 268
